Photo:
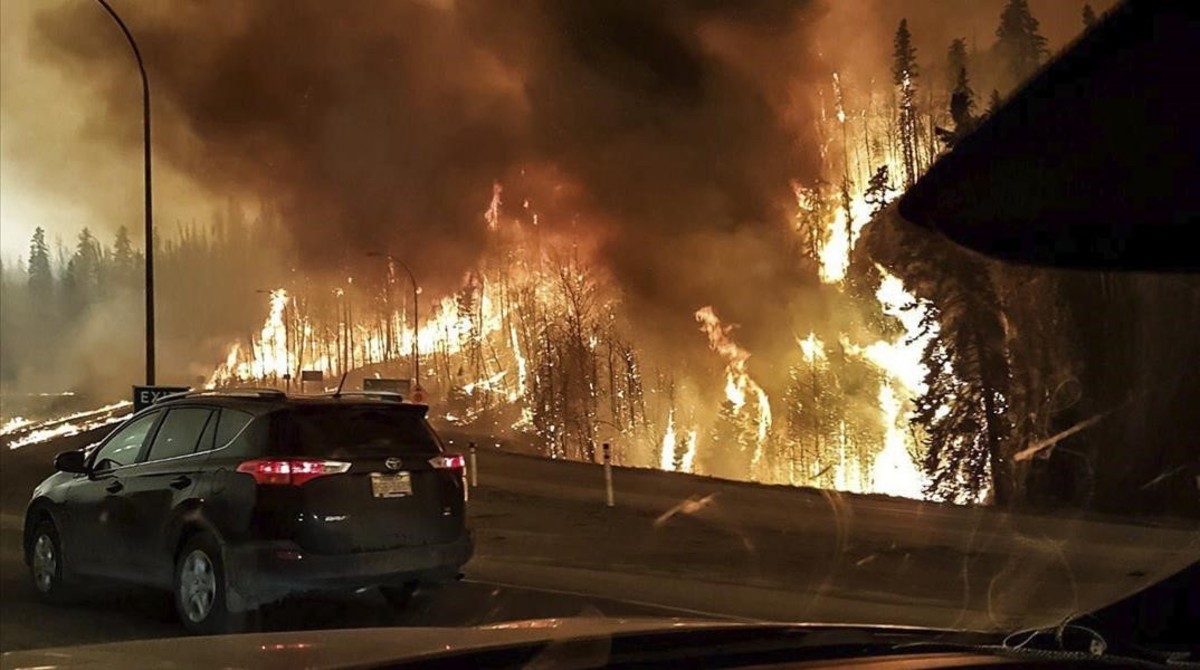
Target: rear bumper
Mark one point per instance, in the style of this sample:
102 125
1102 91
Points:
261 572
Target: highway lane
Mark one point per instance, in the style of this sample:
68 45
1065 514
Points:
805 554
678 545
109 614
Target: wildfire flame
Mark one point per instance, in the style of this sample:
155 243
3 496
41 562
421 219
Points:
666 459
812 348
492 215
900 359
839 103
669 457
269 351
515 343
688 462
842 235
738 383
23 433
893 471
490 384
14 424
471 342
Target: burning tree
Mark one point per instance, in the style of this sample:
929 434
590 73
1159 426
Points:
965 379
961 419
565 383
815 415
918 367
743 426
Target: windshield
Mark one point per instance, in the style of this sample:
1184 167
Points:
645 263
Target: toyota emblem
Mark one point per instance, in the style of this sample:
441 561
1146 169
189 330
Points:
393 463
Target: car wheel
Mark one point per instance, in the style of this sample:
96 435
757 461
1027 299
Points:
46 562
199 589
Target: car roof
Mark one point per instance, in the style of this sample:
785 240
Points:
261 403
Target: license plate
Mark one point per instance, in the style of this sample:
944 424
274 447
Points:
391 486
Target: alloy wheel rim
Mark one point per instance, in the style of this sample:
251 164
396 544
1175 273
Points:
45 563
197 586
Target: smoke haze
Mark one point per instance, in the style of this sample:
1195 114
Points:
674 129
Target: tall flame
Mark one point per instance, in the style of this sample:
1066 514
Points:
900 358
666 459
843 234
812 348
738 383
839 102
688 462
463 338
492 215
269 351
521 370
894 471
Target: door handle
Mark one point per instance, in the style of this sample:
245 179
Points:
114 487
181 482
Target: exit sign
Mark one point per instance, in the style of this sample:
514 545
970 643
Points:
145 396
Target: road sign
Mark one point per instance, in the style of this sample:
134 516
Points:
311 375
401 386
145 396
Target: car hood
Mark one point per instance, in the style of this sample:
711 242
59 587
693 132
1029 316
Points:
333 648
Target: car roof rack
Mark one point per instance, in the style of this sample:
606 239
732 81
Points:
382 395
264 393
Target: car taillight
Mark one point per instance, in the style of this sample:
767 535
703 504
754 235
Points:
449 462
290 471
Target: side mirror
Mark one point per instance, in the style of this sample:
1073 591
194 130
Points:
70 461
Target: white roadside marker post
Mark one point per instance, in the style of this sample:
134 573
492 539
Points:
474 467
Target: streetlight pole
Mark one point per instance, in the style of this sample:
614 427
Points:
416 353
149 218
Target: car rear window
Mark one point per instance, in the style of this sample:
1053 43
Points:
232 422
358 431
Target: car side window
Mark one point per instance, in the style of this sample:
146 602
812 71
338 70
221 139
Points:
179 433
125 444
231 423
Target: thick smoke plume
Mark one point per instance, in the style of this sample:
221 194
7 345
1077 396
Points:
665 135
384 125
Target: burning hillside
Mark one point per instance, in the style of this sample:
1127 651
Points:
538 340
661 225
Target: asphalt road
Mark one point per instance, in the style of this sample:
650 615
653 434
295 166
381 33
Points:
794 554
111 614
681 545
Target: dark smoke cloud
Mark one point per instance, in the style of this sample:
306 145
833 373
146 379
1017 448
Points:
379 125
665 132
370 124
675 119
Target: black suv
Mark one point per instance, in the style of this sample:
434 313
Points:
237 499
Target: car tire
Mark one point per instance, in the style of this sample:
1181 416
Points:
198 589
399 597
46 562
